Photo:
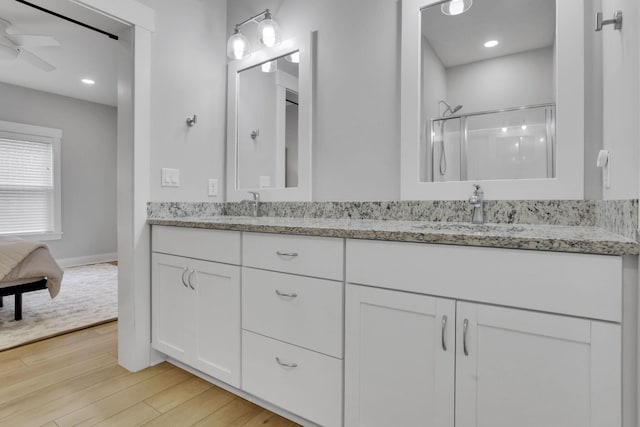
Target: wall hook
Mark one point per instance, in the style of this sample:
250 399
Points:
616 21
192 120
255 134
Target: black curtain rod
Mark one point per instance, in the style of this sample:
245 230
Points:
66 18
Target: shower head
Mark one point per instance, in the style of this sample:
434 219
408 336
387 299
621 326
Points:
449 110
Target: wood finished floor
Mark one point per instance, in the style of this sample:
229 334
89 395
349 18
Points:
75 380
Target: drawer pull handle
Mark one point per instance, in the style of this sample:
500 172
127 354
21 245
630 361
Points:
183 279
191 277
286 295
286 365
291 254
444 330
465 327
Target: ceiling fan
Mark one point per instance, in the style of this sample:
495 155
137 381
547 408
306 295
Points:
12 46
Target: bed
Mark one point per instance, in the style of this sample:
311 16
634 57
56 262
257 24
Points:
26 266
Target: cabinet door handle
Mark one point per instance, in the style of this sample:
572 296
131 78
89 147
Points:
189 279
286 365
290 254
286 295
183 279
444 331
465 327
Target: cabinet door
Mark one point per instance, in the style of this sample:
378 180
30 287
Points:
399 359
529 369
171 306
216 319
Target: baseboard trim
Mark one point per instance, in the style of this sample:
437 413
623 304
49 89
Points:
85 260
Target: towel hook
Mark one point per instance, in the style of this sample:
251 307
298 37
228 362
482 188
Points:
616 21
192 120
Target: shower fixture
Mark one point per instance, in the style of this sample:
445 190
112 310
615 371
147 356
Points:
268 35
448 111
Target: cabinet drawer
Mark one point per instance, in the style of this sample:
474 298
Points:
312 389
210 245
311 256
574 284
299 310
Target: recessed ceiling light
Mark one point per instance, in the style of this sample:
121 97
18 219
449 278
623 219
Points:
491 43
88 81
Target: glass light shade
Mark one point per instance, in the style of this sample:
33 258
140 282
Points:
268 33
238 46
7 53
269 67
293 58
456 7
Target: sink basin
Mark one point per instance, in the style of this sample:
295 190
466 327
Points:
469 228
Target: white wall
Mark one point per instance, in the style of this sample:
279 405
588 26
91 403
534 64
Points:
88 153
356 154
620 107
188 77
356 146
508 81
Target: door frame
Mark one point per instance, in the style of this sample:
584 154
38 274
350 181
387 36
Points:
134 189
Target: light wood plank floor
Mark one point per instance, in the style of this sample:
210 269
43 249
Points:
75 380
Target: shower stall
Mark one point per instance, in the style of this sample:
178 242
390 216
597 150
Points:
511 143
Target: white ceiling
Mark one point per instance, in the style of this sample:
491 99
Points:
519 25
82 53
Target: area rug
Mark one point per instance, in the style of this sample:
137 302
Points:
88 296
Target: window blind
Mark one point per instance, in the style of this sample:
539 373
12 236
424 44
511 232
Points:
26 187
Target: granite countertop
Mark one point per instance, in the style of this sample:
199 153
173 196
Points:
580 239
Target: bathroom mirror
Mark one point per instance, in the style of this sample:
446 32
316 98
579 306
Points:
492 93
269 123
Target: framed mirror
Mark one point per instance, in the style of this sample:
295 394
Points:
269 123
492 93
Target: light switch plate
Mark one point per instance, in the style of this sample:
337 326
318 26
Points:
213 187
170 177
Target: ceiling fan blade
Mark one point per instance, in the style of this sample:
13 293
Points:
35 60
33 40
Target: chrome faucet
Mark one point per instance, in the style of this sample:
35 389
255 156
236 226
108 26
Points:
477 201
255 202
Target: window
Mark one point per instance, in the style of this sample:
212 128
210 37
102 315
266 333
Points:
30 181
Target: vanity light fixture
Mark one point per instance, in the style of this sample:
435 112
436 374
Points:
269 67
456 7
294 58
268 35
491 43
88 82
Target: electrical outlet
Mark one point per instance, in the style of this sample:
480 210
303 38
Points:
170 177
213 187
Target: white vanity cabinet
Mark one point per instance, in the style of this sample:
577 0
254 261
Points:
399 361
196 302
529 369
293 324
509 366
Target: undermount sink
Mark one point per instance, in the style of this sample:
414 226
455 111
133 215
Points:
461 227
